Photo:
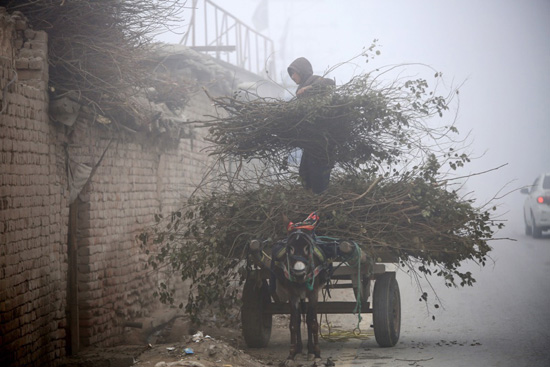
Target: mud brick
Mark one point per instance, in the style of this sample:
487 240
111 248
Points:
20 24
29 34
24 75
36 63
41 47
22 63
41 36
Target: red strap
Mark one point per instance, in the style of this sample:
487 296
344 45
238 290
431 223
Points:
309 224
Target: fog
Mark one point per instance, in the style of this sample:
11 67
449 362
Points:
498 52
499 49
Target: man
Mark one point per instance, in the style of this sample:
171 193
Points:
301 71
315 167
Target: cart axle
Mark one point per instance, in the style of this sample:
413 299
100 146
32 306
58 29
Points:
322 308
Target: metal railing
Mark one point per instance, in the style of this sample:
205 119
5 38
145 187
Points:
215 31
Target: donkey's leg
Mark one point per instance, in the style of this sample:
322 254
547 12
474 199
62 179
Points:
299 345
294 326
313 349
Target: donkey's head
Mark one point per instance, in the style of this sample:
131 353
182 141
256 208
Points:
300 255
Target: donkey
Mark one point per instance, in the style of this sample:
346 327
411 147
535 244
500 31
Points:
301 269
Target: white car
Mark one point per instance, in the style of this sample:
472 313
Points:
536 209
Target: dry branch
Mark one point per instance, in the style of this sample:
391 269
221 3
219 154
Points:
97 49
387 192
419 224
358 123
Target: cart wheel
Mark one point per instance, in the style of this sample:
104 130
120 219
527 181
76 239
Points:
256 324
386 310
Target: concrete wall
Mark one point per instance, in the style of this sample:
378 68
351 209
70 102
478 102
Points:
136 178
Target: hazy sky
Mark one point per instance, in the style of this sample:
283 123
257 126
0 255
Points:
499 48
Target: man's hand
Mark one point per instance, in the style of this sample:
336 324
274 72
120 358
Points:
302 90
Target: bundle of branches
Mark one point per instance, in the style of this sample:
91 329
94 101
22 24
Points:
96 49
417 222
387 192
359 122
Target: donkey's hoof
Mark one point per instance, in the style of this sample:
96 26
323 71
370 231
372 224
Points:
312 357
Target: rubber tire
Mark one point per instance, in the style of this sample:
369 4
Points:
256 324
537 232
528 228
386 313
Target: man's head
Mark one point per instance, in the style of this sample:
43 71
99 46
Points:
296 77
300 70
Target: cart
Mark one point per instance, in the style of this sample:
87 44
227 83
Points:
258 306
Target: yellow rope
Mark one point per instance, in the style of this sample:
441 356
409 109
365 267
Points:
335 335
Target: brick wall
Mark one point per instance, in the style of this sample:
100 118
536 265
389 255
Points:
133 182
136 179
33 207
